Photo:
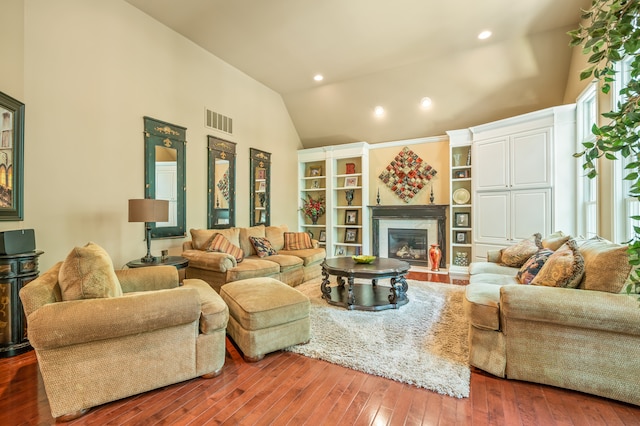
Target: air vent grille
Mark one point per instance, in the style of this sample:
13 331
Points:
214 120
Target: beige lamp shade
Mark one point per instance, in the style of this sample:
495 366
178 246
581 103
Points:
148 210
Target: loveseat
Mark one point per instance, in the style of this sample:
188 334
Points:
101 335
585 338
219 256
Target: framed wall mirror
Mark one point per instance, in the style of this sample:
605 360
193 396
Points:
221 198
260 187
11 150
164 170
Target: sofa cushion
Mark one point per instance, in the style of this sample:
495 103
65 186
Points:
222 245
88 273
309 256
482 305
491 268
297 241
493 279
606 265
286 262
252 267
210 260
245 233
555 241
517 254
262 246
564 268
532 266
201 238
275 235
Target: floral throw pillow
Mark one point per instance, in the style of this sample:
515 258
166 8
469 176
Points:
564 268
517 254
221 244
262 246
532 266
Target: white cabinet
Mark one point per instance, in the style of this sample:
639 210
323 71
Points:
524 178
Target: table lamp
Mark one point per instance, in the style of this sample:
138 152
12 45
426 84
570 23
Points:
147 211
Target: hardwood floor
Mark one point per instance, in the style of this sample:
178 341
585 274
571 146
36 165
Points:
286 388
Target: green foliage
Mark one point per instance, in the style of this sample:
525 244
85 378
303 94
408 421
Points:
611 33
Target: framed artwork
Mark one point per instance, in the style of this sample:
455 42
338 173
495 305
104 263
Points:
323 236
461 174
351 235
262 186
315 170
462 220
350 217
340 251
407 174
461 237
350 181
261 174
263 216
11 150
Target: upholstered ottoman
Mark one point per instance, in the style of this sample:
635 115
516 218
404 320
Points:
265 315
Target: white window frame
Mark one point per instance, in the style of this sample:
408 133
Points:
587 189
623 206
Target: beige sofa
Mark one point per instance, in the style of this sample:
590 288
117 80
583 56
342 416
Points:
293 267
153 333
575 338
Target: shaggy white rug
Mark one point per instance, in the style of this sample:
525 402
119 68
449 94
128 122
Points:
424 343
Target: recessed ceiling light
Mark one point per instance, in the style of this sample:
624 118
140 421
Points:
484 35
425 102
378 111
318 77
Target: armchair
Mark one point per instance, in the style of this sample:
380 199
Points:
95 350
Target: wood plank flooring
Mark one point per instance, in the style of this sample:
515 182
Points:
290 389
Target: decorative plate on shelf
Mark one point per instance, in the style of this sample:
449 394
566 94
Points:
363 258
461 196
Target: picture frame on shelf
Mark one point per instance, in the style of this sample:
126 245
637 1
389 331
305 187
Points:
263 216
351 217
351 181
323 236
340 251
261 174
262 186
461 237
462 220
315 171
461 174
350 168
351 235
315 184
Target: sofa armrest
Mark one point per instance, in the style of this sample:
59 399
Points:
187 245
594 310
80 321
148 279
214 312
210 260
41 291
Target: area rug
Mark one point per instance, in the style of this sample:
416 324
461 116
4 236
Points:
424 343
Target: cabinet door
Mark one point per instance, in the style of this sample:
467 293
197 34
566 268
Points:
492 221
530 159
530 213
491 164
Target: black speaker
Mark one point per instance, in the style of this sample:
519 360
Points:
18 241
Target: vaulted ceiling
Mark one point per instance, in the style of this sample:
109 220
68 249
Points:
390 54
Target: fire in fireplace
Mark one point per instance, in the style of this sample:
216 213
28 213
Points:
408 244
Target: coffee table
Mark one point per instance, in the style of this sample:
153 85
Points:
368 296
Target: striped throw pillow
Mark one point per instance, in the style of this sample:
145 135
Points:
220 244
297 241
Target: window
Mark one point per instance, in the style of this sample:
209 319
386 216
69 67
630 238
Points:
623 205
587 114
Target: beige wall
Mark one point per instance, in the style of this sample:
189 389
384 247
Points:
88 73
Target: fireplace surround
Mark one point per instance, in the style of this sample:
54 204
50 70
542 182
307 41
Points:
429 216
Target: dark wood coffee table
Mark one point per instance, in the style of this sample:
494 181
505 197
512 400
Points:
365 297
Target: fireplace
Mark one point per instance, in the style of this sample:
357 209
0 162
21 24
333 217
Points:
408 244
428 220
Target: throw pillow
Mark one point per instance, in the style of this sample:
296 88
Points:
222 245
564 268
262 246
87 273
555 241
606 265
532 266
517 254
275 235
297 241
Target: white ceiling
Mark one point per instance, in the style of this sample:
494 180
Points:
388 53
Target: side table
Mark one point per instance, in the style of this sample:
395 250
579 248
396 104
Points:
16 271
178 261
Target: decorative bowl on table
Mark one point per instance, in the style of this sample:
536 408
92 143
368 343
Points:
363 258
